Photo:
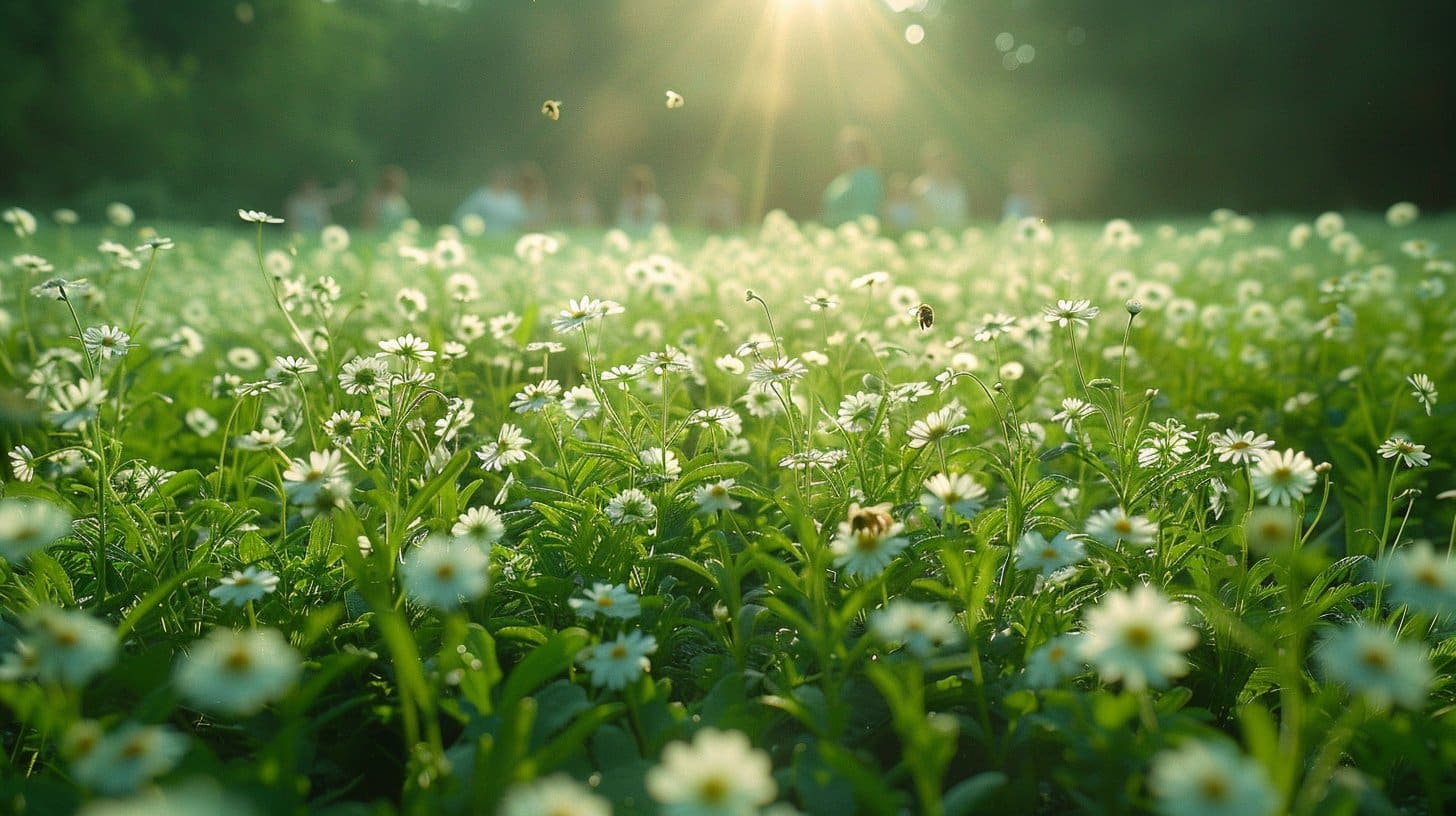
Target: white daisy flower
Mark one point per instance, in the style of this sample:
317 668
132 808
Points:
1138 637
615 663
237 673
443 572
251 584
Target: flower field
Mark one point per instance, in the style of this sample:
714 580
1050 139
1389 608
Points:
1037 518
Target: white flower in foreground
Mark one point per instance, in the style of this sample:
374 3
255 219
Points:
482 525
1070 313
1035 552
1114 525
1138 637
719 773
868 541
1422 579
408 347
660 464
1239 448
580 312
1404 451
1055 661
443 572
23 222
28 525
258 217
1211 779
362 375
608 601
937 425
1371 662
120 762
23 463
631 506
304 479
556 795
1425 391
777 370
959 492
1402 214
508 449
535 397
921 627
615 663
715 496
190 799
1282 478
251 584
66 646
237 673
106 341
76 404
294 366
580 403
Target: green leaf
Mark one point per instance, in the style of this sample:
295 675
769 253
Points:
447 475
543 663
156 596
964 797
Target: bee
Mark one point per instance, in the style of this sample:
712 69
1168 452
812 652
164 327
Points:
674 99
874 519
924 315
551 109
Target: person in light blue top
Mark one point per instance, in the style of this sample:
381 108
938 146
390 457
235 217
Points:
858 190
497 203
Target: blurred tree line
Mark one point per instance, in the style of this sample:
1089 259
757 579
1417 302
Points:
192 108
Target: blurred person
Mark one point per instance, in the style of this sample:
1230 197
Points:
899 212
386 207
939 193
535 204
858 190
497 203
640 208
583 210
717 205
1024 198
310 207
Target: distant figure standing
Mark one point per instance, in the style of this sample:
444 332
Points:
899 212
1024 199
641 208
717 205
310 207
858 189
939 193
583 210
386 207
497 203
535 204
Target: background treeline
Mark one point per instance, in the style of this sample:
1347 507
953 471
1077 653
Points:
191 108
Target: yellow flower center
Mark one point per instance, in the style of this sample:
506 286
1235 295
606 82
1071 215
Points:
1375 659
1214 788
714 790
239 660
1139 636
